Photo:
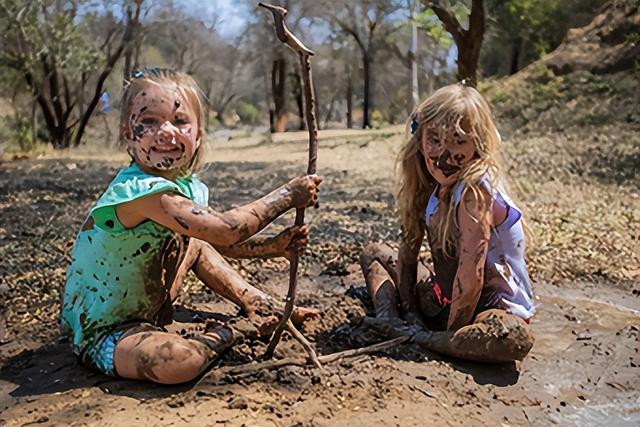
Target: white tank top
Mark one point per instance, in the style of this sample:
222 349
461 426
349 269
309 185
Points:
506 279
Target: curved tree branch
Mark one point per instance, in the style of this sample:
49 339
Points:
303 52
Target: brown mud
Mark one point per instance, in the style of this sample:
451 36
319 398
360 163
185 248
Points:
582 370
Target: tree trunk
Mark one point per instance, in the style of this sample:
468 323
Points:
111 61
132 49
267 104
297 93
33 121
515 56
278 87
349 96
367 105
128 52
468 41
329 113
415 92
208 83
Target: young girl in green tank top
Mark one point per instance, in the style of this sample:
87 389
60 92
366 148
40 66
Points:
150 227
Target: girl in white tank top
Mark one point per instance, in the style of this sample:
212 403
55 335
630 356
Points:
477 302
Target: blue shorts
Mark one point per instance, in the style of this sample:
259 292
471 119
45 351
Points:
98 354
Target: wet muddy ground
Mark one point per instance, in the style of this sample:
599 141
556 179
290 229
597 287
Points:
580 192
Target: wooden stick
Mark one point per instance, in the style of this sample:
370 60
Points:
255 367
305 344
288 38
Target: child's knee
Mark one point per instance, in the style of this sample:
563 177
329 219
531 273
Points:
367 254
371 252
167 362
184 363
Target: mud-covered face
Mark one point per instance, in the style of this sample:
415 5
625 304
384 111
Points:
446 151
162 130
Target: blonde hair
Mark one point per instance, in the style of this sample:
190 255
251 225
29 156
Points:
186 87
465 109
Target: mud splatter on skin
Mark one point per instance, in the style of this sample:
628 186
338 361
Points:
164 352
443 148
146 124
143 337
182 222
441 162
139 130
145 365
230 222
263 247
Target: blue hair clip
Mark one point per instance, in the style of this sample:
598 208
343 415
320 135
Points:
414 123
147 70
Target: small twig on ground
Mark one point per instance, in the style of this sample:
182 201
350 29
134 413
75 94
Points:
305 343
255 367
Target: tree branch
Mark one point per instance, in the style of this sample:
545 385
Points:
448 19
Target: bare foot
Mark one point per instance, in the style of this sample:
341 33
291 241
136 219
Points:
301 314
218 337
267 323
264 324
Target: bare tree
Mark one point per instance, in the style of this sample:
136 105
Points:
133 10
413 52
43 40
468 41
364 21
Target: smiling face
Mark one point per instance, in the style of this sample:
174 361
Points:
161 132
447 150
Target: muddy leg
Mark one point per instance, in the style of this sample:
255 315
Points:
218 275
379 264
168 358
190 258
495 336
379 274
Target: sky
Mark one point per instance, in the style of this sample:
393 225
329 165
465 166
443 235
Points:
233 14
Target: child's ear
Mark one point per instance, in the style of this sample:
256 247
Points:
127 135
199 137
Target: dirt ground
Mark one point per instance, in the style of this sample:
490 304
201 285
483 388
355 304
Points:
580 192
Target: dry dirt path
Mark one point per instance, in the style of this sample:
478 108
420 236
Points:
582 371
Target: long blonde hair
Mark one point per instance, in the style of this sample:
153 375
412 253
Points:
458 106
186 86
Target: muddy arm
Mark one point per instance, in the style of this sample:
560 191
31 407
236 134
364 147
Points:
255 247
229 228
265 247
474 218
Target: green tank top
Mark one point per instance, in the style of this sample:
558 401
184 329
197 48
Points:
119 275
